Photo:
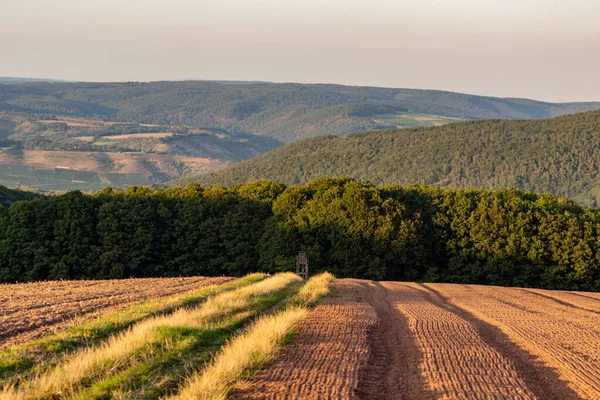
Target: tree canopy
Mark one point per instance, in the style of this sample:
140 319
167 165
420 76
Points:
354 229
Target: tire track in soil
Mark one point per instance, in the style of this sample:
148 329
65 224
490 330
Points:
322 361
390 340
564 338
542 380
556 299
455 362
392 370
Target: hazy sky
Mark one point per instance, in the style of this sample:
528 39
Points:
542 49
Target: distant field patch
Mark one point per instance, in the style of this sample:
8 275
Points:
82 122
87 139
138 135
413 120
75 170
68 123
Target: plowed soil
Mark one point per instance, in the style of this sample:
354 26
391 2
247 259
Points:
393 340
323 359
30 310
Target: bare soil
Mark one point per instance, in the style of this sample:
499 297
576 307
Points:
29 310
560 329
395 340
324 358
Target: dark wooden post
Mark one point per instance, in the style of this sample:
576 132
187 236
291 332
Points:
302 264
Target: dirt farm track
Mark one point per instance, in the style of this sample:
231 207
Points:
392 340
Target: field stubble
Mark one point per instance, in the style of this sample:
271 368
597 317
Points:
30 310
382 340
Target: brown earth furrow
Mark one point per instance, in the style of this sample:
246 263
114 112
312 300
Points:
392 370
29 310
323 359
570 299
457 362
587 296
564 338
557 299
81 295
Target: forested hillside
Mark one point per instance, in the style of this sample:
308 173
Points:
287 112
9 196
353 229
559 155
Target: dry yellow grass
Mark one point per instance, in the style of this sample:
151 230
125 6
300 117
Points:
256 346
315 288
91 361
253 348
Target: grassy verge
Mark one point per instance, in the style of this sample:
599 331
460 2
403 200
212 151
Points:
43 352
157 371
124 350
255 347
316 288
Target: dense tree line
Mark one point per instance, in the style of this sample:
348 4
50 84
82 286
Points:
354 229
9 196
559 155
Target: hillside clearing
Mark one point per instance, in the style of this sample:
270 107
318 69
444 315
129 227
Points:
137 135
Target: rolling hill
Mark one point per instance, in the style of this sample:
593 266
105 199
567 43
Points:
9 196
287 112
559 155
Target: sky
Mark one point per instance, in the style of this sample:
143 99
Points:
540 49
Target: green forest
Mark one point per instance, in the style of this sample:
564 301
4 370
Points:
286 112
9 196
350 228
559 155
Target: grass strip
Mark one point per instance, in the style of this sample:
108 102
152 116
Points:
20 359
314 290
159 370
252 349
81 367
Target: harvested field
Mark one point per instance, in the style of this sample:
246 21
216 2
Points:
30 310
378 340
439 341
564 335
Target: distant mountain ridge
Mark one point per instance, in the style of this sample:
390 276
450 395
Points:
559 155
284 111
16 80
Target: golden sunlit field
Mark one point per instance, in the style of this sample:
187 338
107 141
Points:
365 340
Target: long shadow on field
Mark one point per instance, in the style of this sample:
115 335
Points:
392 370
543 381
559 301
